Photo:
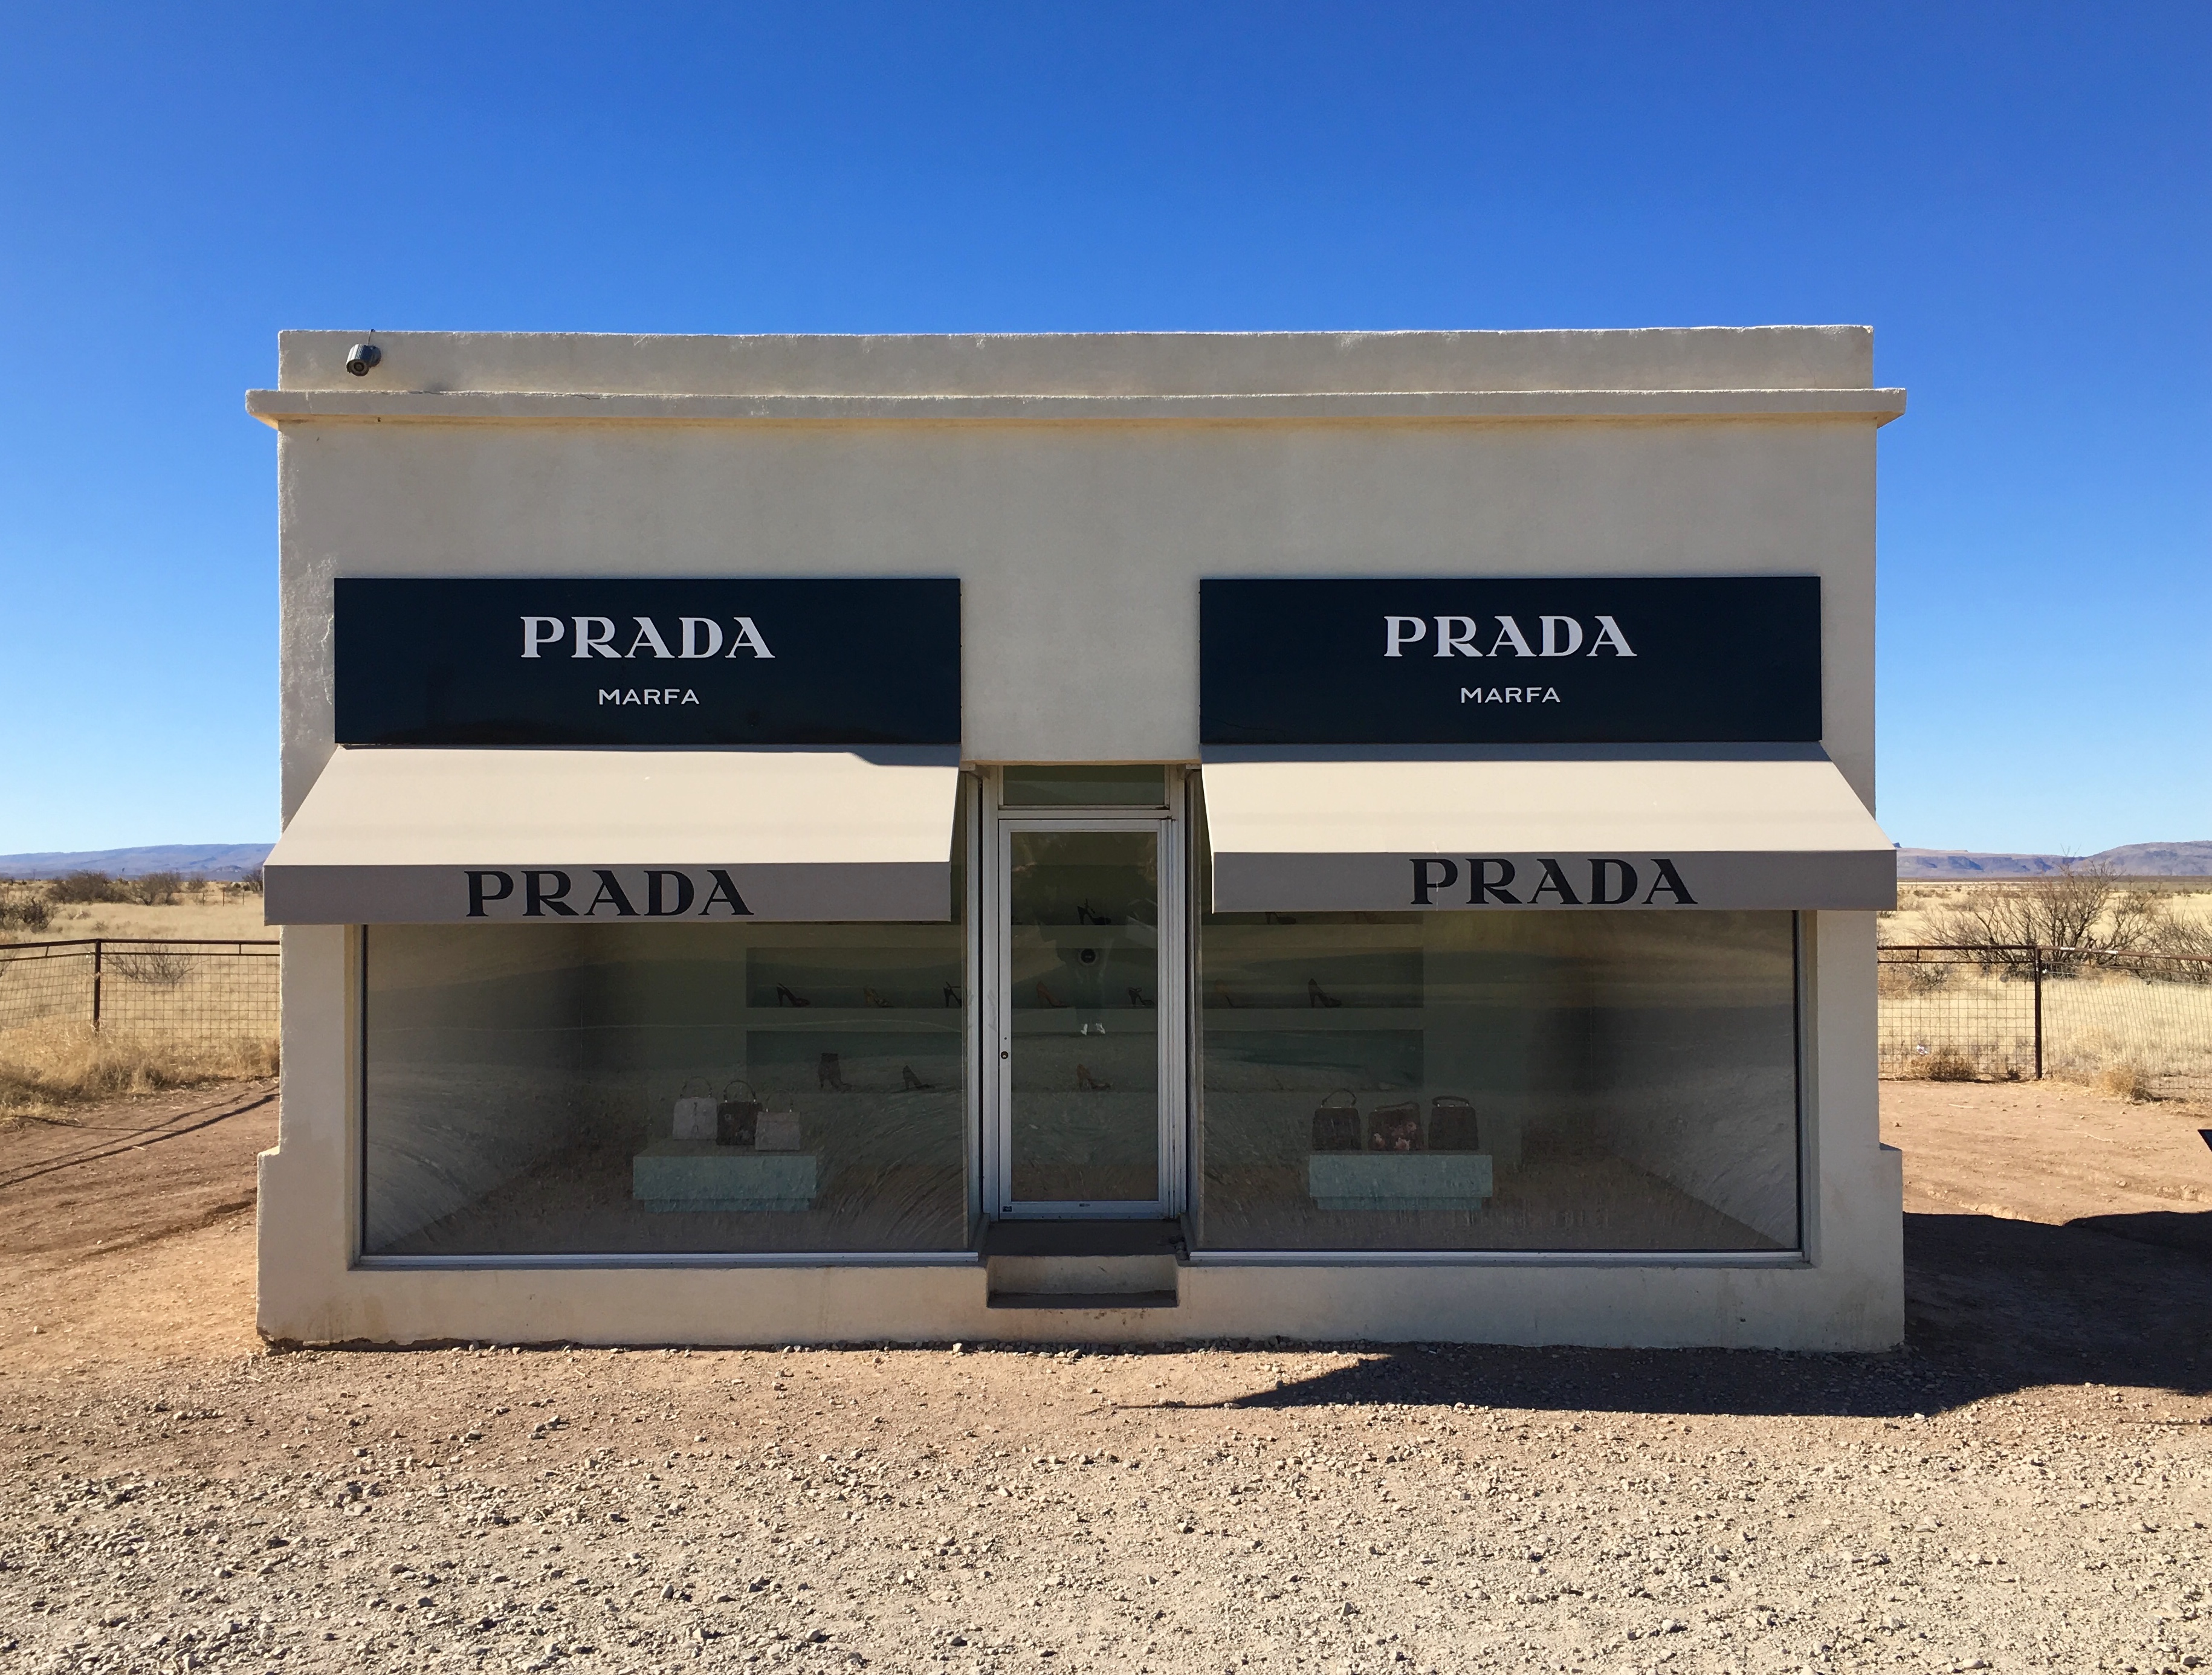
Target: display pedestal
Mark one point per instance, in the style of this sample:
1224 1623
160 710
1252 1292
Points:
698 1175
1390 1181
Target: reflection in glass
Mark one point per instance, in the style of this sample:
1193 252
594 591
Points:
1084 975
1533 1081
539 1088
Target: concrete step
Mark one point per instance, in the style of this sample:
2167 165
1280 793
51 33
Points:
1084 1264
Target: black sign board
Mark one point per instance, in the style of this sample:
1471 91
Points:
563 660
1496 660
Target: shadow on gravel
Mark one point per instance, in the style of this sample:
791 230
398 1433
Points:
1991 1307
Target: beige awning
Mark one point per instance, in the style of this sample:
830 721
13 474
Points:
1345 835
400 836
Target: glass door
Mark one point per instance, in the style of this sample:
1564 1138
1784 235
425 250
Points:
1089 1037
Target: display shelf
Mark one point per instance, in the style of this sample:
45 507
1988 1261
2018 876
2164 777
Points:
809 1019
1346 1016
1398 1180
698 1175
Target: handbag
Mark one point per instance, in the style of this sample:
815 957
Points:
1395 1127
777 1131
695 1113
1336 1128
734 1118
1452 1126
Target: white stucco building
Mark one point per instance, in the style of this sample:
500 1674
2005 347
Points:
1114 837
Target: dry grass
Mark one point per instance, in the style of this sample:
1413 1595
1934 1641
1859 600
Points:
1947 1064
2126 1080
220 912
47 1068
2183 903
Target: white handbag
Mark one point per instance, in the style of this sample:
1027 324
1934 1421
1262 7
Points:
777 1131
694 1115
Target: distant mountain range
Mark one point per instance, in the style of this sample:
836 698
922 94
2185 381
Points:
194 860
2130 860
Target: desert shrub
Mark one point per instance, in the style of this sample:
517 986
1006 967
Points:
157 968
2125 1080
85 887
23 908
46 1067
151 889
1946 1064
2190 941
2075 914
1900 978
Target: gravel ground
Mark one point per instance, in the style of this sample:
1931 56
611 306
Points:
2027 1486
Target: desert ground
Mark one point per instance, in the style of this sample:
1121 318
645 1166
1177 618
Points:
2026 1485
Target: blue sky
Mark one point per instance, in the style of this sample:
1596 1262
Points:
2015 196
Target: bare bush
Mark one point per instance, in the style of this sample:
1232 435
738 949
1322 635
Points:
151 889
85 886
2080 912
158 968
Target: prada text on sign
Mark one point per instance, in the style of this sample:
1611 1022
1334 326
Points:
1510 660
610 661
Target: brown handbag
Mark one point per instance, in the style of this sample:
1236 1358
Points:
1336 1128
1395 1127
1452 1124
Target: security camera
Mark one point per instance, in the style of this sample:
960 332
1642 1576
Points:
360 357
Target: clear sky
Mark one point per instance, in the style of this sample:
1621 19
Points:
2015 196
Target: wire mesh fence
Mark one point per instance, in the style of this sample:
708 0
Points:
173 992
2016 1013
1946 1013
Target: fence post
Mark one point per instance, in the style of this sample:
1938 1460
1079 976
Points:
2035 957
95 985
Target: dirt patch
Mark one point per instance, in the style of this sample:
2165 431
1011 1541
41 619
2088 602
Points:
2053 1152
2028 1486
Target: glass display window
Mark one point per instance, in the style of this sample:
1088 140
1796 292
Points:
1537 1081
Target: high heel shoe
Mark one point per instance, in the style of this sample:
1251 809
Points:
1085 1080
951 995
1137 998
784 996
1086 915
873 998
914 1083
1314 996
1049 997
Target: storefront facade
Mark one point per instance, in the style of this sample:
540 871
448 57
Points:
1123 838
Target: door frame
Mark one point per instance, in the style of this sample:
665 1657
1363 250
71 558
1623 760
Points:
995 1011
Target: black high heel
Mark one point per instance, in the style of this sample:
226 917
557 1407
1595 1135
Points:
951 995
1137 998
914 1083
1086 915
784 996
1314 996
